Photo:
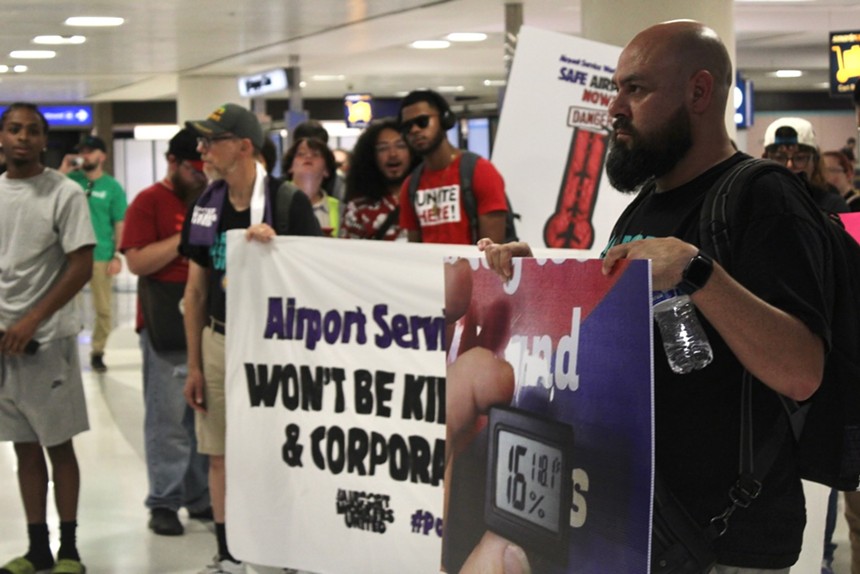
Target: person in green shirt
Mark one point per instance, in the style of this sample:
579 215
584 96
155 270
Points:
107 202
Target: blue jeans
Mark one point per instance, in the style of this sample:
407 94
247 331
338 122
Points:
830 525
178 474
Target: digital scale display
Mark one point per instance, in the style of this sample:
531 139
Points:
529 483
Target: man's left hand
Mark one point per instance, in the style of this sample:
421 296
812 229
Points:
669 256
114 266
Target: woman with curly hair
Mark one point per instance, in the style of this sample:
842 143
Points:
381 160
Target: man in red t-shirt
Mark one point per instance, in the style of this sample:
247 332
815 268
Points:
177 473
437 215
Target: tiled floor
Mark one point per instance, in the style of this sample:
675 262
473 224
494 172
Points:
113 537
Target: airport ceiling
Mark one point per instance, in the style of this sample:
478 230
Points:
348 45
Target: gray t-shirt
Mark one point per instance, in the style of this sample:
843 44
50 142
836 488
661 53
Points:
42 218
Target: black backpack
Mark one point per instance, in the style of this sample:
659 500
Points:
468 160
827 426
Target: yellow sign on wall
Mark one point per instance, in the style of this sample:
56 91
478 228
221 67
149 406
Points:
844 62
358 109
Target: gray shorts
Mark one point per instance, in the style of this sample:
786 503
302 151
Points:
42 395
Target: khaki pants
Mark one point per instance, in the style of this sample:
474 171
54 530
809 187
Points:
852 514
211 426
101 286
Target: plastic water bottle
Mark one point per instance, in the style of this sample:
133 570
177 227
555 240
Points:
687 347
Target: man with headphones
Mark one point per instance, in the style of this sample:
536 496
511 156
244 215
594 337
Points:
435 212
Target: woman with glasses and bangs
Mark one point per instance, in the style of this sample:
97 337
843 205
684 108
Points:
791 142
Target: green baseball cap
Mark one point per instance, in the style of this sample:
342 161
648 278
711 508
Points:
233 119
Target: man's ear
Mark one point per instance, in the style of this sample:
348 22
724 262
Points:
701 90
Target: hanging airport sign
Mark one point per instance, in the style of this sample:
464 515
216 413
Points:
743 102
263 83
844 62
66 116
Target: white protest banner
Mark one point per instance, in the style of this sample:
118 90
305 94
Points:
553 138
336 403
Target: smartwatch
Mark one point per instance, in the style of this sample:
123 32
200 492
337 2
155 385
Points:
529 481
696 273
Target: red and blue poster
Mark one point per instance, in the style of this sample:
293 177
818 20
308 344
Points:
549 425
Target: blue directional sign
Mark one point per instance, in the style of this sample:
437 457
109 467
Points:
743 102
66 116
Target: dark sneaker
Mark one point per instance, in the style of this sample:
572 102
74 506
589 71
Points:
204 515
165 522
97 363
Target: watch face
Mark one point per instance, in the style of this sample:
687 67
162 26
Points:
529 481
698 271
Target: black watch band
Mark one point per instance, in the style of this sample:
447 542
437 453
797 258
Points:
696 273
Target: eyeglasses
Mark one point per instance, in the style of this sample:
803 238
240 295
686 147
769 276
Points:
798 160
421 121
388 147
205 142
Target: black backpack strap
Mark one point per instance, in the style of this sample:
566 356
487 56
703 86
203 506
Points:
720 204
283 199
754 463
468 161
715 237
393 216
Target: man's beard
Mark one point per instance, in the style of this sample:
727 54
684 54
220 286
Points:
90 166
396 181
656 155
432 146
186 193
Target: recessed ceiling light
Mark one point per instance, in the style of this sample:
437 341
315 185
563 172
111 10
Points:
94 21
20 68
328 78
32 54
430 44
59 40
155 131
4 69
303 84
786 74
490 83
449 89
466 37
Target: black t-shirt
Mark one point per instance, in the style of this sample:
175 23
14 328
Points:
779 253
302 221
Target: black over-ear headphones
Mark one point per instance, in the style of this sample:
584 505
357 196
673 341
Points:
447 118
